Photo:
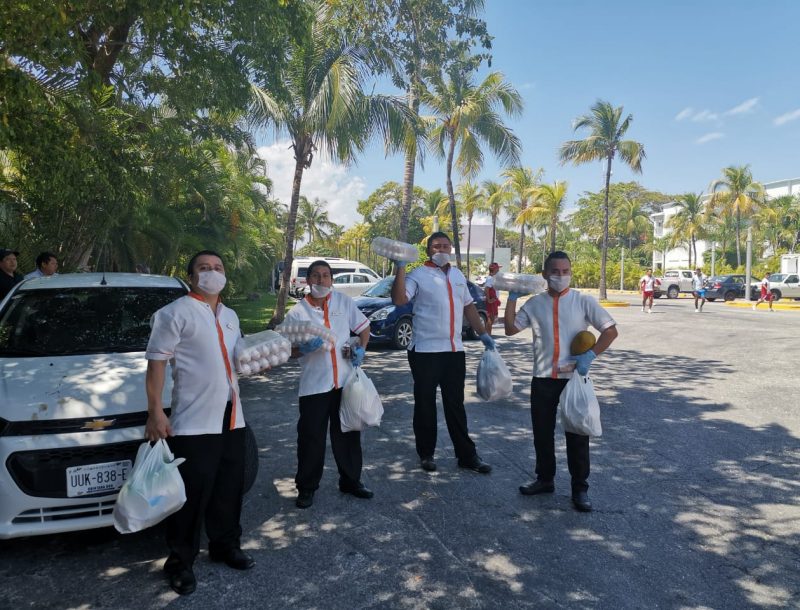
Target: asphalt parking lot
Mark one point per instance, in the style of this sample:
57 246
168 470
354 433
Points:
695 482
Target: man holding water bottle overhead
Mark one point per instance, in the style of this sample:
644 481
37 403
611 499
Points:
555 317
441 299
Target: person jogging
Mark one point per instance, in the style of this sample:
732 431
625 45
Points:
647 286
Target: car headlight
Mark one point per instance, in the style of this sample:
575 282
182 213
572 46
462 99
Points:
382 313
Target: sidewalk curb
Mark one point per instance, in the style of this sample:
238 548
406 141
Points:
781 306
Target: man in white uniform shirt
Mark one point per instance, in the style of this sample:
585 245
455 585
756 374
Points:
197 335
322 376
555 317
436 355
699 289
647 286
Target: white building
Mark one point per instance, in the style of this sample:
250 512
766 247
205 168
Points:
678 258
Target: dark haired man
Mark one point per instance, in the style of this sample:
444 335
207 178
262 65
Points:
555 317
46 265
436 355
8 271
197 334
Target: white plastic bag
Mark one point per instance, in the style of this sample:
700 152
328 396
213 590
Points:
580 411
361 406
494 379
153 492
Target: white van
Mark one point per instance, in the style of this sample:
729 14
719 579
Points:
297 279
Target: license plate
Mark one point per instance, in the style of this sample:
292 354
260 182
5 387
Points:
96 478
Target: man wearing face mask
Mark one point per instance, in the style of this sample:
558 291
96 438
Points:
436 354
197 335
322 376
555 317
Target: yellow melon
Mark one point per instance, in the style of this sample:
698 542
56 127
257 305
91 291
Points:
583 342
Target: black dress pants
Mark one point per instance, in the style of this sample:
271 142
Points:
213 475
316 412
448 371
545 393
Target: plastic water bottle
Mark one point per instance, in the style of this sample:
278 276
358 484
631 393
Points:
394 250
523 283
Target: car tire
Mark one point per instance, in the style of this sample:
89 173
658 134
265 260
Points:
729 296
711 299
402 333
673 292
250 459
776 295
470 333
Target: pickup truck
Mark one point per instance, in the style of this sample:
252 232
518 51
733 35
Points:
676 281
781 285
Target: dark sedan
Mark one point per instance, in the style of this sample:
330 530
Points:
393 325
726 287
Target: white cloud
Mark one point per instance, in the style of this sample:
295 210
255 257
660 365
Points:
709 137
684 114
785 118
331 182
525 86
705 115
743 108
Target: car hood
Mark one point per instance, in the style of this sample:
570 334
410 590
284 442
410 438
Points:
369 304
66 387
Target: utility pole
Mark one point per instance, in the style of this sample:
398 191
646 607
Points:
748 263
622 269
713 258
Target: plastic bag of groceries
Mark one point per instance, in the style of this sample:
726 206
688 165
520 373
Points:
153 492
361 405
494 379
261 351
580 411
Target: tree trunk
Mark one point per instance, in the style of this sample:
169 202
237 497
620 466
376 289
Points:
469 241
494 233
521 247
604 253
694 249
553 228
452 196
408 170
738 239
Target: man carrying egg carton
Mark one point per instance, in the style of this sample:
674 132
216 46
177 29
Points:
261 351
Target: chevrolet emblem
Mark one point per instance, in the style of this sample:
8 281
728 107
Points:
98 424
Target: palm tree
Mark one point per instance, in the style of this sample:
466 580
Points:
497 199
735 194
313 220
473 199
546 208
466 115
607 128
689 222
324 105
522 183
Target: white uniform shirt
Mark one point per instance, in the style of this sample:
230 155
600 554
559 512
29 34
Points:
34 274
555 321
648 283
439 298
322 371
199 346
697 281
489 282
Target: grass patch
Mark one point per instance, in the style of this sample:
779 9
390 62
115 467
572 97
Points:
254 315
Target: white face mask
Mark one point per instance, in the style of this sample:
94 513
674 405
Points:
211 282
440 259
318 291
559 283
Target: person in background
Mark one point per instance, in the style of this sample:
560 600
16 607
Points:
322 376
492 300
555 317
436 354
698 289
647 286
197 335
766 293
8 271
46 265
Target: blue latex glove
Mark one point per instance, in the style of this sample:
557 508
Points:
584 361
487 341
312 345
513 296
399 264
357 355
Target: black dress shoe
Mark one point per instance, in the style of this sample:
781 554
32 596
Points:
537 487
476 464
359 491
182 581
581 501
234 558
305 498
427 464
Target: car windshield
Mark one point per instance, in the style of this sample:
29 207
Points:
777 277
80 320
381 290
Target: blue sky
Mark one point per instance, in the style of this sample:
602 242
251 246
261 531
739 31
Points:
709 84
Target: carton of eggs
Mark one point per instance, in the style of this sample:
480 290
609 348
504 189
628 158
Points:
261 351
302 331
523 283
394 250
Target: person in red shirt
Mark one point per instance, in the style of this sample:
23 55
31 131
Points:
492 300
766 293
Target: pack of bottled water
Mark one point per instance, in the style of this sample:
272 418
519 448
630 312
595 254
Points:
395 250
523 283
261 351
301 331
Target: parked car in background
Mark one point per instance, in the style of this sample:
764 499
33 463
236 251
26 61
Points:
392 324
781 285
72 396
353 284
725 287
297 279
676 281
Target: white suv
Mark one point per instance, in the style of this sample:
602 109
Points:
72 396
